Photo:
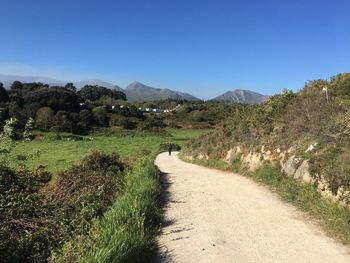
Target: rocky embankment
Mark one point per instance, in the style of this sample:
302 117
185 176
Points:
291 165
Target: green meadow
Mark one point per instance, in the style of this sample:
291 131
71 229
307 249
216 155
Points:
58 155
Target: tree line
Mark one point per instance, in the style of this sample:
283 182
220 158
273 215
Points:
58 108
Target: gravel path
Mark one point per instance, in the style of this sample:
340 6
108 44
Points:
215 216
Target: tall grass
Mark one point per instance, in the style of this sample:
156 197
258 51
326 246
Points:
127 231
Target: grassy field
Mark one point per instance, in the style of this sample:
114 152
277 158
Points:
58 155
127 229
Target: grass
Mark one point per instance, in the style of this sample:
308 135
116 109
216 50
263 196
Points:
211 163
58 155
333 217
128 230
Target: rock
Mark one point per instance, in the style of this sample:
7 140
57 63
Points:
202 156
253 160
311 147
302 173
323 188
291 165
233 154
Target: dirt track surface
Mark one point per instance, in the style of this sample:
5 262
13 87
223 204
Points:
214 216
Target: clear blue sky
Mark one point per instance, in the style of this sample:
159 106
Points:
202 47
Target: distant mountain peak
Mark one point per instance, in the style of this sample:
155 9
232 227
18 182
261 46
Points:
242 96
137 91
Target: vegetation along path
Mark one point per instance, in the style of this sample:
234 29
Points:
215 216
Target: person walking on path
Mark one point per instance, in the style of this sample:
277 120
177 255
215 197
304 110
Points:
170 148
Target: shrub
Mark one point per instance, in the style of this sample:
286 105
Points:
37 219
152 123
25 223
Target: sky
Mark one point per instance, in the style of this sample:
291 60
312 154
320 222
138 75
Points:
203 47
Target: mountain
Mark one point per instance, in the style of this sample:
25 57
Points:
242 96
7 80
82 83
137 91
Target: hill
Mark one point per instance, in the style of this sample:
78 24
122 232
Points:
138 92
297 143
242 96
306 132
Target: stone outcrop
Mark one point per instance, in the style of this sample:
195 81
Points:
302 173
291 165
233 154
253 160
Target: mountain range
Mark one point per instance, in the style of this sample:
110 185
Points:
138 92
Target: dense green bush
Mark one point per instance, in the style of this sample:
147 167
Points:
25 224
152 123
37 218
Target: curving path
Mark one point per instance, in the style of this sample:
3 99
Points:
215 216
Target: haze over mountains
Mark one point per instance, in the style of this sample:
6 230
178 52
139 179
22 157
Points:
137 92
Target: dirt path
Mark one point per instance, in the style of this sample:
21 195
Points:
214 216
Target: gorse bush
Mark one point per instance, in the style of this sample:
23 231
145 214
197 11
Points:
85 191
36 219
25 224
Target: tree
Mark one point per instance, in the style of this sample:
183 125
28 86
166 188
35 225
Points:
16 85
44 118
28 130
93 93
57 98
71 87
101 116
10 128
62 121
86 118
3 93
